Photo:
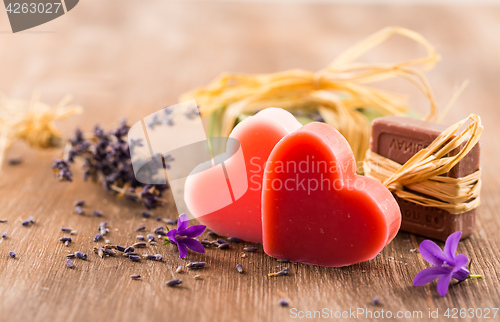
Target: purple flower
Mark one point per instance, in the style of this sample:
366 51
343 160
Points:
184 236
447 264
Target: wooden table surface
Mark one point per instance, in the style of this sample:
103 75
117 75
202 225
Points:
124 58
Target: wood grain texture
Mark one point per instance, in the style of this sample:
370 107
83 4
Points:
124 58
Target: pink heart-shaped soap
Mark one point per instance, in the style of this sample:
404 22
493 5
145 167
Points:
228 198
316 210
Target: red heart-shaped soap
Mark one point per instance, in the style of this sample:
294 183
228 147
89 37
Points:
316 210
208 193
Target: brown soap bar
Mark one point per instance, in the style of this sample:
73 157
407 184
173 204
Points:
398 138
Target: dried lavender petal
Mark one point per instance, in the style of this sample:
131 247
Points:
161 233
66 243
212 234
66 229
98 237
109 252
69 263
250 249
135 277
146 214
15 161
129 249
12 254
79 210
79 203
140 245
97 213
221 241
239 268
174 282
206 242
179 269
149 256
195 265
26 223
159 257
134 258
120 248
80 255
376 301
65 239
31 219
283 302
71 256
4 235
151 237
234 239
159 219
140 237
170 222
141 228
223 246
73 232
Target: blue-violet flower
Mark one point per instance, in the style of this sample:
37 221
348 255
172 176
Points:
447 264
184 236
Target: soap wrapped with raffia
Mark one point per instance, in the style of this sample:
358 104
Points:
339 94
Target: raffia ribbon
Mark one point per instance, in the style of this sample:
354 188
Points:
336 92
422 173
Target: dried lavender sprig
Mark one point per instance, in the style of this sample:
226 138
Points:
174 282
284 271
195 265
107 159
135 277
239 268
250 249
69 263
12 254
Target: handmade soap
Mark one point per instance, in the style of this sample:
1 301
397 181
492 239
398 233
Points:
399 138
204 191
316 210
